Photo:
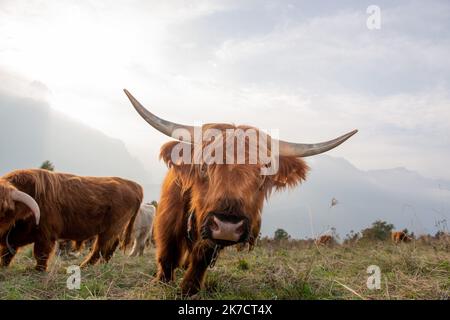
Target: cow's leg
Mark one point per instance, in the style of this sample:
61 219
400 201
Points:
6 255
168 256
200 259
108 252
94 255
169 229
141 244
43 249
78 246
133 251
141 249
103 249
185 261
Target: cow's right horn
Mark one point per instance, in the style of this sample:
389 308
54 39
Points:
306 150
27 200
159 124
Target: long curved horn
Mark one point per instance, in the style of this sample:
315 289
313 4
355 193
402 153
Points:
27 200
159 124
306 150
286 148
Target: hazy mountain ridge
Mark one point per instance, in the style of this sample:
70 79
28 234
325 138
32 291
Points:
32 132
400 196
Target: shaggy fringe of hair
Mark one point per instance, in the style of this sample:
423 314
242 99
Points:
46 184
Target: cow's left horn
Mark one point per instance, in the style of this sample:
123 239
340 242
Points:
306 150
159 124
27 200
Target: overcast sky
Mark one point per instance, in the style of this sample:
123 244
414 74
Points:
313 70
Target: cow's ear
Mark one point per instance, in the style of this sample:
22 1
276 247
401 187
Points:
176 153
291 172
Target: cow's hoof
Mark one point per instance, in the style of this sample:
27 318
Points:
40 268
157 280
4 264
161 278
189 288
88 263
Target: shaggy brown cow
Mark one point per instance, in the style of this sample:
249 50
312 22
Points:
324 240
399 236
206 205
40 207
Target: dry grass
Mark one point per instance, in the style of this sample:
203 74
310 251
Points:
271 271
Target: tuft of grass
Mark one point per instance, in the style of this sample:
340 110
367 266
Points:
243 264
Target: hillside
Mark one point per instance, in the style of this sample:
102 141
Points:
32 132
402 197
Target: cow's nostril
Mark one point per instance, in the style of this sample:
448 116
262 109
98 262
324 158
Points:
214 226
240 229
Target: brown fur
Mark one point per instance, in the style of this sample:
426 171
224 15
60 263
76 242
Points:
324 240
74 248
202 188
72 207
399 236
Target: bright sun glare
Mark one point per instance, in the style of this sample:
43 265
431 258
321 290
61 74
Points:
74 48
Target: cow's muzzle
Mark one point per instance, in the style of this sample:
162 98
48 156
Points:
225 229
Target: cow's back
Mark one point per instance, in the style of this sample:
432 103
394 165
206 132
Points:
75 207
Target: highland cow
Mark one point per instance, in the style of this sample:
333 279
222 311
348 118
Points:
142 230
206 205
324 240
399 236
41 207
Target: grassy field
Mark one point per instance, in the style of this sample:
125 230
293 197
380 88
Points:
271 271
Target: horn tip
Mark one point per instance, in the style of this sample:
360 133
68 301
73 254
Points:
130 97
349 135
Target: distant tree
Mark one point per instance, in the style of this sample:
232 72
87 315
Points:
351 237
47 165
441 225
380 230
440 235
409 234
281 234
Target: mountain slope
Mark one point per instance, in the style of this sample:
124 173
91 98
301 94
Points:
399 196
32 132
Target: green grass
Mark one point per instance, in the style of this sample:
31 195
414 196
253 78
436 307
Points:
270 271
